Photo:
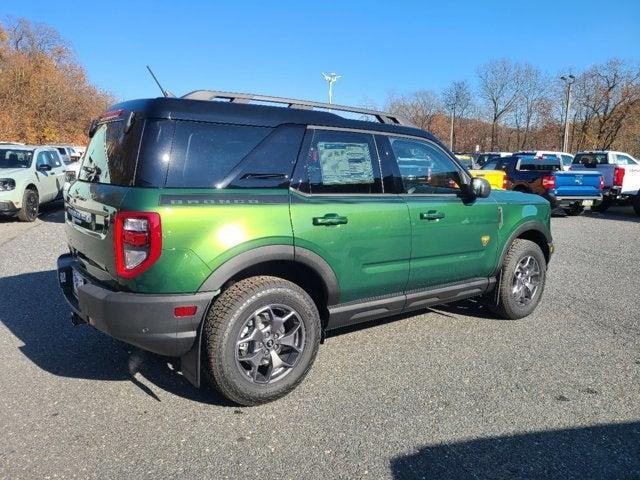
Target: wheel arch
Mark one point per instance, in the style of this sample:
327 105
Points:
533 231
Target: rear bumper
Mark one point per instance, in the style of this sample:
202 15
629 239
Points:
144 320
565 201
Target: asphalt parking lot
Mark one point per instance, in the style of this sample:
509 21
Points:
451 393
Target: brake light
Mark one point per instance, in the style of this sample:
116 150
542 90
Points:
601 182
137 241
549 182
504 182
618 176
112 115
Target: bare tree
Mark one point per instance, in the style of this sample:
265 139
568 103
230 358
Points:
456 99
529 102
500 85
421 107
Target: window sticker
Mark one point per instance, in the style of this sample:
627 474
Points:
345 163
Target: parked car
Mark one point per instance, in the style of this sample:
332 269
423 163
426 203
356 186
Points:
67 153
571 191
29 177
621 173
565 158
236 233
482 158
496 178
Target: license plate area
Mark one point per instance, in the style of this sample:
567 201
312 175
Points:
587 203
78 280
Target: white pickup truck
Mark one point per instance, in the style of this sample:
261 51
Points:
621 174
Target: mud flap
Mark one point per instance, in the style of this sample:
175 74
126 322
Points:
190 361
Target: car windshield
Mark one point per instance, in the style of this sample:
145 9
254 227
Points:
546 163
10 158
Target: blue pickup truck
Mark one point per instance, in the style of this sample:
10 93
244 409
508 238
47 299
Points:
543 175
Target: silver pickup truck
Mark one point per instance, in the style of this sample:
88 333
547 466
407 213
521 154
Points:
621 173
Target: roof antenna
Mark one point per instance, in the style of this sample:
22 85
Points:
165 93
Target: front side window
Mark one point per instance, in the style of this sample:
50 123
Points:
42 159
339 162
54 159
425 168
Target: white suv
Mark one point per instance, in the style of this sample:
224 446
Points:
29 177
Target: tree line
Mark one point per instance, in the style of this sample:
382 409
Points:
45 96
516 106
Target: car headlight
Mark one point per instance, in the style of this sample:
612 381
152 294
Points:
7 184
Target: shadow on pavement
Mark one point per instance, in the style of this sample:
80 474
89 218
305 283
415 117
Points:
34 310
610 451
624 214
52 212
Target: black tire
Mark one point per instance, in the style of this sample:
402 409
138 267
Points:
507 305
30 206
602 206
636 204
227 320
574 210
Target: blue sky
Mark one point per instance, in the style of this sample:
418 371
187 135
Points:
280 48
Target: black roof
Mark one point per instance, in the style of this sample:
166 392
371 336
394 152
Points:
255 114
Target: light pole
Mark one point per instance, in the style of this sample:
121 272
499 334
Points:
331 79
568 80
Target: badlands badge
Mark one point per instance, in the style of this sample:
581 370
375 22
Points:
485 240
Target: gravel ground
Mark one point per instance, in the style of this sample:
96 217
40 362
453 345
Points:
451 393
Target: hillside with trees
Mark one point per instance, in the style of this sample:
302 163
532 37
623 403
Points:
45 96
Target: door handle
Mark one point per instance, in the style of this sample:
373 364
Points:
431 215
330 219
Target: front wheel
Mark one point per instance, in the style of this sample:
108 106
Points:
522 280
30 206
260 338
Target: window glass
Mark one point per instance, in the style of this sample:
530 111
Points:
341 162
15 158
567 160
111 154
204 154
590 159
54 159
42 159
625 160
529 163
424 167
490 165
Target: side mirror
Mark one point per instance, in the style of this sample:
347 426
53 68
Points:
44 167
480 187
70 176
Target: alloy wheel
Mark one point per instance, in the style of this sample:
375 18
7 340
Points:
526 280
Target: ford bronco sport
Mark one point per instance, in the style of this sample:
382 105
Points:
234 230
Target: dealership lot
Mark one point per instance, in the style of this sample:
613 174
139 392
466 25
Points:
449 393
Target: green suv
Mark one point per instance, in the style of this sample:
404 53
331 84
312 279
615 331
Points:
234 230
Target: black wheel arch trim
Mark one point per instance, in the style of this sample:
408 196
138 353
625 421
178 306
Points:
525 227
269 253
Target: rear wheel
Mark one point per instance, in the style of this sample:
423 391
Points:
602 206
261 336
636 203
522 280
574 210
30 206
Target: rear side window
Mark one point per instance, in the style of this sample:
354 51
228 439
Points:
111 155
590 159
204 154
338 162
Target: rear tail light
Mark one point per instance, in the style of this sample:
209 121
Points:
549 182
137 242
601 182
504 182
618 176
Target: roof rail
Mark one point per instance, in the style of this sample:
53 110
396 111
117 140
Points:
382 117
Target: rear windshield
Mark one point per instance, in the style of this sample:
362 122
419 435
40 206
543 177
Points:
111 155
15 158
590 159
545 163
